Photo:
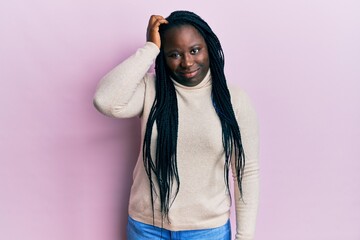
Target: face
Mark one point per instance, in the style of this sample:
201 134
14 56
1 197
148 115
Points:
186 55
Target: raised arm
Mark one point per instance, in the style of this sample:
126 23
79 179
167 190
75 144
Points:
120 93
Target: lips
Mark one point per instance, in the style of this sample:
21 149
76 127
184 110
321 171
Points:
190 74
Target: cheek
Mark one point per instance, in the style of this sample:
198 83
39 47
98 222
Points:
205 60
171 64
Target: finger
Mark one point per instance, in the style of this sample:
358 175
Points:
153 29
154 18
157 22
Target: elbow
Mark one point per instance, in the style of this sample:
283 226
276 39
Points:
110 109
100 105
106 107
96 104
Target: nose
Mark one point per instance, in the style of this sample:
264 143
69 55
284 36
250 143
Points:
187 60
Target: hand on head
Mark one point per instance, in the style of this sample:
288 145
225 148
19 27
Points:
153 29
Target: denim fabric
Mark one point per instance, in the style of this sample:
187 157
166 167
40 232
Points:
141 231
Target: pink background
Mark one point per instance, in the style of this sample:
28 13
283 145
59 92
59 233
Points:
66 169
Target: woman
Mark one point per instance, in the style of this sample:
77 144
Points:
193 127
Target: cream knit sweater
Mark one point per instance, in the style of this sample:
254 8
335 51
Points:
202 202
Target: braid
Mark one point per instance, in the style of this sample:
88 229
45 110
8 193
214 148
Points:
164 113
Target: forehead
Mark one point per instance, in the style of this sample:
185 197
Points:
184 36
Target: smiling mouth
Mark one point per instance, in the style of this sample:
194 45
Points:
189 74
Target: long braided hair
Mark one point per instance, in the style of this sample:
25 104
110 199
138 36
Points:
164 112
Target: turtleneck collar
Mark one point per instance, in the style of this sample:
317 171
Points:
204 83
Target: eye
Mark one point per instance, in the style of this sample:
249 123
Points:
194 51
174 55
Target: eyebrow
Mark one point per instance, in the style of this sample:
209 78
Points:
197 45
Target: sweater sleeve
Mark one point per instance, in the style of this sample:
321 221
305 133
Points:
121 92
247 206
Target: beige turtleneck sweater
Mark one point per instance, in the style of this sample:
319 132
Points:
202 202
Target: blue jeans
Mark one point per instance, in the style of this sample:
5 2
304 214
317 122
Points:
141 231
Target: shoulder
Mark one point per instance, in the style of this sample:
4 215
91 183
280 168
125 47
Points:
239 98
243 107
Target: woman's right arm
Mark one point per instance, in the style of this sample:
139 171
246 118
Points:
121 92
